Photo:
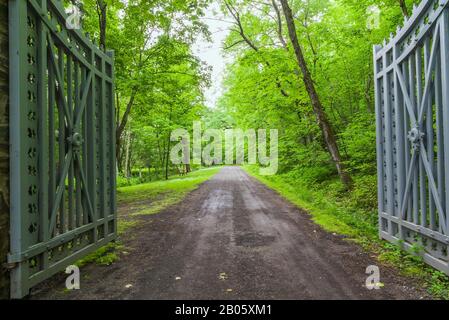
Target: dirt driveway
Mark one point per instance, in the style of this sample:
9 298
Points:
233 238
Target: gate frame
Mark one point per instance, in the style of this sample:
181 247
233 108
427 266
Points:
19 253
429 15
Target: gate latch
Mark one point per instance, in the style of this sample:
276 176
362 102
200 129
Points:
415 136
76 140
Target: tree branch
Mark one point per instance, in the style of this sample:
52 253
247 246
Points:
404 8
279 22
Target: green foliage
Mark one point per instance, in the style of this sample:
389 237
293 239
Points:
439 284
263 89
360 143
106 255
123 225
174 187
159 81
364 192
131 181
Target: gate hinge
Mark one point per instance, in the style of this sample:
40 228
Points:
10 265
15 258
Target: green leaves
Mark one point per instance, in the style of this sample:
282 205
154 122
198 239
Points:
158 79
264 88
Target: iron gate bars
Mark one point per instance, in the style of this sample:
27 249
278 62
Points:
62 143
412 115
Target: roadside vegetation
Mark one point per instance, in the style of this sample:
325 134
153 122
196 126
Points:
150 198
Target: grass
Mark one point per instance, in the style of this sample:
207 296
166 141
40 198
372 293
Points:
163 194
123 225
106 255
331 209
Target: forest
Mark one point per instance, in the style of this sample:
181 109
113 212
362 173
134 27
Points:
326 119
326 137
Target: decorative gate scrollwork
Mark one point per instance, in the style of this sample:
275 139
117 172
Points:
62 143
412 113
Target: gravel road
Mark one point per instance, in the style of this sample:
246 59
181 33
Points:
234 238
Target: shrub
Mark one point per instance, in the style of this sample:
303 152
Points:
364 194
360 143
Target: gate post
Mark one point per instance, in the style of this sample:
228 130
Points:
4 150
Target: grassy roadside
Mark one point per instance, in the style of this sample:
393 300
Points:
334 213
161 194
145 199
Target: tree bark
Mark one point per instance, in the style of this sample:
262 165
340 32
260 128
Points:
121 126
279 22
321 117
167 156
404 8
102 21
127 154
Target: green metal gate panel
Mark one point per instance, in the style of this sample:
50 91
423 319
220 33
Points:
412 112
62 143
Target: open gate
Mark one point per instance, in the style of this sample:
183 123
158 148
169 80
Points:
62 143
412 112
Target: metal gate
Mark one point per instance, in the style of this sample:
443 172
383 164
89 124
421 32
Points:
412 106
62 143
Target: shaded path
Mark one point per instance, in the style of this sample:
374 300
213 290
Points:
234 238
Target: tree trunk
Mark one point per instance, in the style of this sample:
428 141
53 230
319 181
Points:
127 153
404 8
323 122
279 21
167 156
102 22
121 126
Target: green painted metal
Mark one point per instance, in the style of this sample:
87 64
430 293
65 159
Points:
62 132
412 114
